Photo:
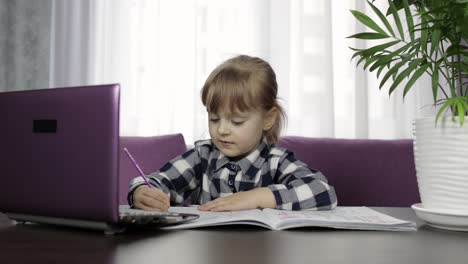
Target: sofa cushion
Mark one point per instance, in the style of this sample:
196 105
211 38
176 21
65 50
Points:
151 153
364 172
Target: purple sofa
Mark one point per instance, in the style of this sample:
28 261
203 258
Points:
363 172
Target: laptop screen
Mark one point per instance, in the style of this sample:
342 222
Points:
59 152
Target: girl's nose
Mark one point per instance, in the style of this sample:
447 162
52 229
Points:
224 127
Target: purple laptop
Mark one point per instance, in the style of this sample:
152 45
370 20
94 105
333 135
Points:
59 159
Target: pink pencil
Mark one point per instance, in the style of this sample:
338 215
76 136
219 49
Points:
138 168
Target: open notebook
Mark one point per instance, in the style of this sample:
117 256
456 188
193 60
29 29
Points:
357 218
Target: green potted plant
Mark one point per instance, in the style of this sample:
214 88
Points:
431 41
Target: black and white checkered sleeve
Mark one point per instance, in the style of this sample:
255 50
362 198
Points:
179 177
299 187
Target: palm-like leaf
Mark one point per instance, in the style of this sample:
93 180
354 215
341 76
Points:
433 47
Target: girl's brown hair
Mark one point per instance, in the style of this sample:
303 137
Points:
241 84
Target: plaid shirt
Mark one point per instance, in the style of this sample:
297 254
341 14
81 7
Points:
203 174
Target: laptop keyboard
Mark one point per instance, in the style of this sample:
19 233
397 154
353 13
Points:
141 217
125 210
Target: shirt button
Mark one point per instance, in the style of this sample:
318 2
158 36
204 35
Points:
233 167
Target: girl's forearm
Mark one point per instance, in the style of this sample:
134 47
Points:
266 199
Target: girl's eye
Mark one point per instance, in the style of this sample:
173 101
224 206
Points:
237 123
214 120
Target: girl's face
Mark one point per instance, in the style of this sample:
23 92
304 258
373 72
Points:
237 134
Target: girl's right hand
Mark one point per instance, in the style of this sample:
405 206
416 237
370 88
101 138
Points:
150 199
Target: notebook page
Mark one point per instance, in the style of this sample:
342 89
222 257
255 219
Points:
341 217
207 218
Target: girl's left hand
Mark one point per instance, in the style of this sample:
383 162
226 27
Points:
253 199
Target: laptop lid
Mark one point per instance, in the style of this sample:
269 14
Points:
59 152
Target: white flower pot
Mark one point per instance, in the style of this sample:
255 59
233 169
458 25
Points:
441 157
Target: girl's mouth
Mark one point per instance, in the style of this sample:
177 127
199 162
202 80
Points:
225 142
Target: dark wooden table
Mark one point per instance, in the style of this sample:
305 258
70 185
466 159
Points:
32 243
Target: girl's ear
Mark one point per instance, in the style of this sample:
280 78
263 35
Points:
270 119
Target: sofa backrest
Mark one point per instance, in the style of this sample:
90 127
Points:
151 153
364 172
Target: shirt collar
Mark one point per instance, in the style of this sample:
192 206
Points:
254 158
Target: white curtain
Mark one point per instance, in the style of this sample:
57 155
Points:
162 51
24 44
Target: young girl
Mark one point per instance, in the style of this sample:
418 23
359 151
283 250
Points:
240 167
